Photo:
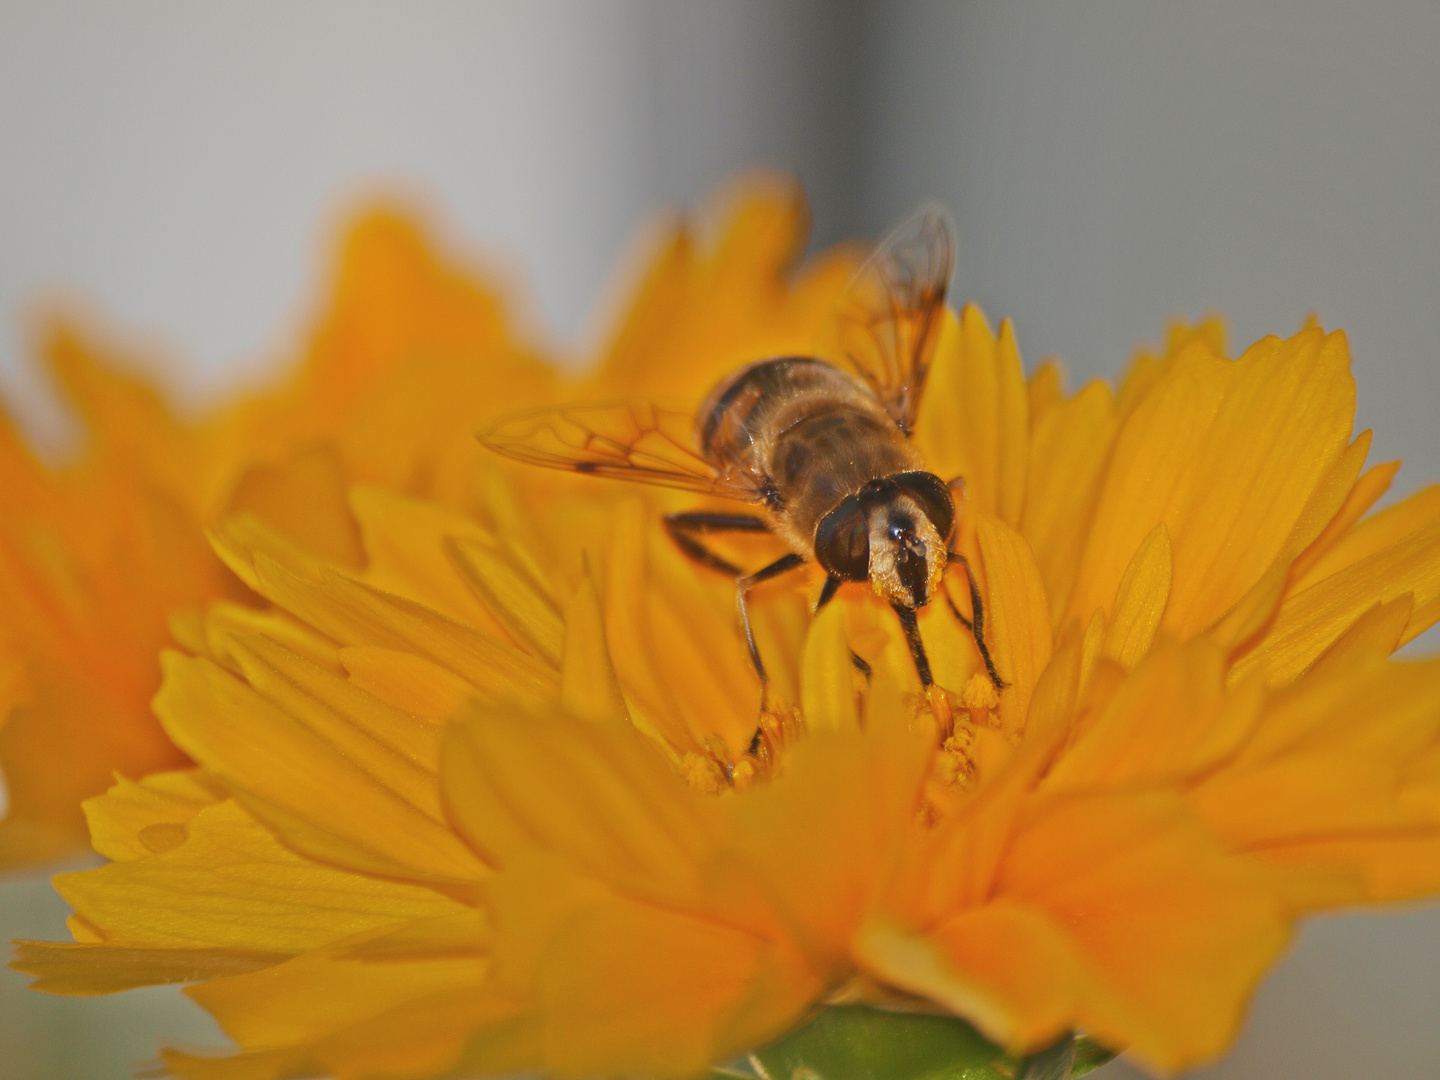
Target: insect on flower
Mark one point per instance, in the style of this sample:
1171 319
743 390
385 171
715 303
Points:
825 453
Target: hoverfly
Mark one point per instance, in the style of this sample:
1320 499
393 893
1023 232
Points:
823 453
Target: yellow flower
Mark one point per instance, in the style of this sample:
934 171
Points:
92 557
481 801
409 353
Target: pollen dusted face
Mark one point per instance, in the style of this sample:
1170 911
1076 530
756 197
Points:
907 554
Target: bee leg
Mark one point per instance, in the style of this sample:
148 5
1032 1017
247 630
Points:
955 610
917 646
827 593
977 626
759 746
683 529
743 585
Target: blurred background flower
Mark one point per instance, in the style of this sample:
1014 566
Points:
184 169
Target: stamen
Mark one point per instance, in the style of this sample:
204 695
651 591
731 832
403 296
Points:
955 764
979 694
703 773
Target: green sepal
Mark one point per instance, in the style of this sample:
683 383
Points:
1089 1056
854 1042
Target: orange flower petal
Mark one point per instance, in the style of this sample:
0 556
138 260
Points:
1019 631
1311 619
1314 779
352 613
600 796
1140 600
123 821
1124 745
627 988
1069 445
423 1036
1113 897
588 685
1227 455
827 683
822 837
974 419
230 885
304 498
321 781
362 976
86 969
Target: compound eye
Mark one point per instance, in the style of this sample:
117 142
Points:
933 496
842 542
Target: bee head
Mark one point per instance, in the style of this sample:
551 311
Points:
907 553
894 533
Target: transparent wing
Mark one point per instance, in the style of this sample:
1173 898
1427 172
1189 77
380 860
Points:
636 441
888 318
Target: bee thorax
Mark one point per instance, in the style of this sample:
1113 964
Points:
907 553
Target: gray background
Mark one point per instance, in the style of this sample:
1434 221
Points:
1109 164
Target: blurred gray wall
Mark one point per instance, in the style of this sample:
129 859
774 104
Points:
1110 164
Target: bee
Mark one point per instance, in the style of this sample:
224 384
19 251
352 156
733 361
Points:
823 452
